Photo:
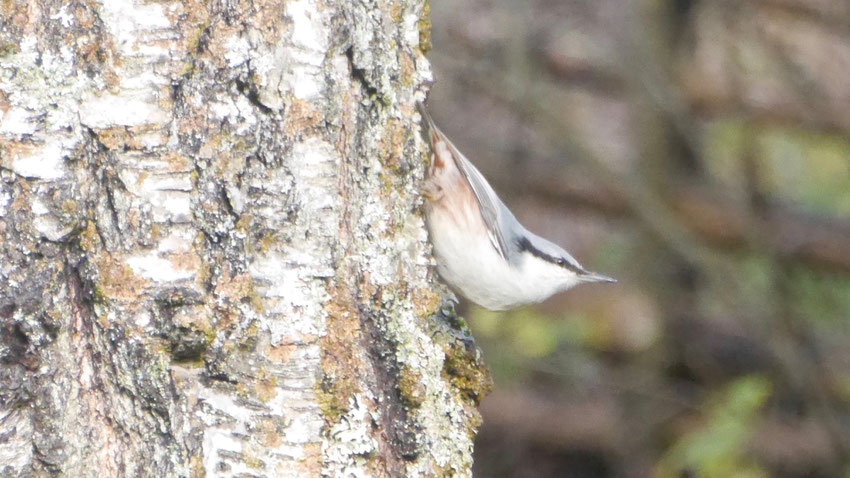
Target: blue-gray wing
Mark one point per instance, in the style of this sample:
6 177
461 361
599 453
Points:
495 214
493 211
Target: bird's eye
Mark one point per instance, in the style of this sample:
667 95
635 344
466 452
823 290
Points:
561 261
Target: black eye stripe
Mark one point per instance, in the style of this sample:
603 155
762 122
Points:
525 245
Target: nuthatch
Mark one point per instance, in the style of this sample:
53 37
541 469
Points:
481 250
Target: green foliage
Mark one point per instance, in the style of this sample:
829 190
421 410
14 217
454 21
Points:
808 168
516 339
527 332
537 336
725 142
823 299
794 165
718 448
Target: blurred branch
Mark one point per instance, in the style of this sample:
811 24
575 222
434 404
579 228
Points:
838 17
646 60
817 106
816 241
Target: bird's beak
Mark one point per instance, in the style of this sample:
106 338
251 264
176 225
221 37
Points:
594 277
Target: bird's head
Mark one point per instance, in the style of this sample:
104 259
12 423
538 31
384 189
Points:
550 266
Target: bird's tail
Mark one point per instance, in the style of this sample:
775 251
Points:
430 129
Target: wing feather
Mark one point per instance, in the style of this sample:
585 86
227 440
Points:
490 206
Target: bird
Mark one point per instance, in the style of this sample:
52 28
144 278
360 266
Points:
481 250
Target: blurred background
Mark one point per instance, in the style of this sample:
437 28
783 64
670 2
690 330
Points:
698 151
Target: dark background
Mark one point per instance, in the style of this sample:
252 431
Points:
698 151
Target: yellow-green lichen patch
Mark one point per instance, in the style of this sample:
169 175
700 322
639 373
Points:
392 144
265 242
425 28
210 335
118 138
411 388
192 37
253 462
396 11
193 20
203 274
332 396
196 467
116 280
256 300
236 288
408 68
446 471
248 339
242 391
266 387
70 207
89 239
331 400
340 363
156 232
426 302
243 225
188 69
270 432
9 48
388 182
468 374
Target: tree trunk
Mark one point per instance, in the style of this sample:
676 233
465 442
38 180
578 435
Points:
212 258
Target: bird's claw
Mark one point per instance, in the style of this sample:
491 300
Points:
432 191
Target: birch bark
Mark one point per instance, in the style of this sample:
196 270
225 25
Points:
212 258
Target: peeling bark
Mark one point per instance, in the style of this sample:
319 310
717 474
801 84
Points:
212 258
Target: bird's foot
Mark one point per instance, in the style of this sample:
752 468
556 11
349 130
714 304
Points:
432 191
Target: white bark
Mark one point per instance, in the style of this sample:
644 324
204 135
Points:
212 259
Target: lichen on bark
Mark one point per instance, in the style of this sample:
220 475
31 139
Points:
213 256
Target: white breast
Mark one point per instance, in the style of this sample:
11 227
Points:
469 263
